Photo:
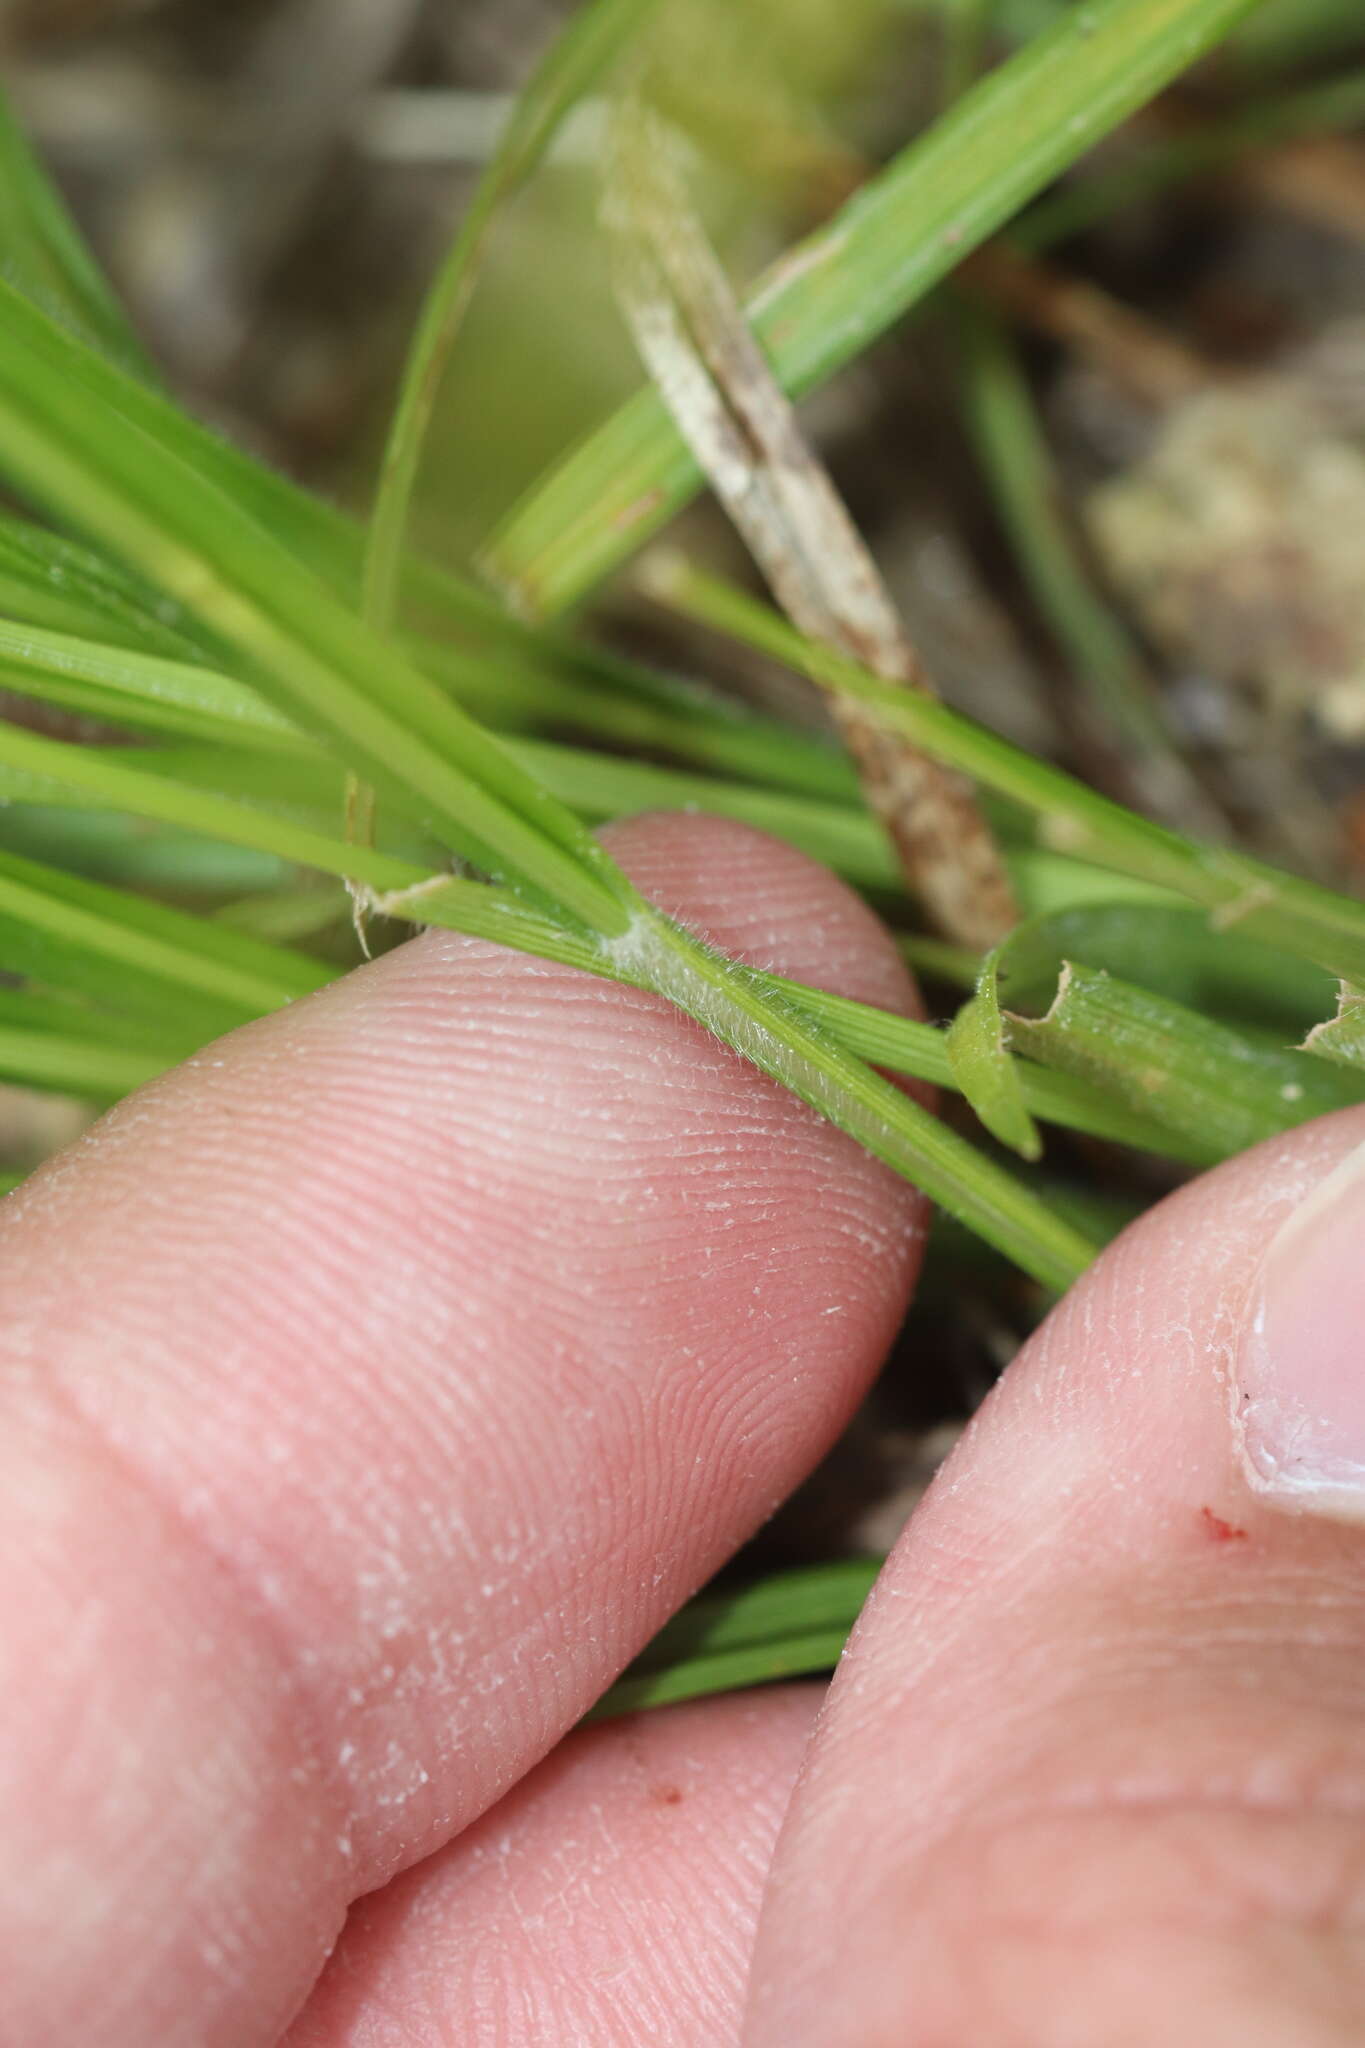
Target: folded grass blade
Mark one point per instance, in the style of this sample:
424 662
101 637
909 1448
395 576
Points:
1184 1070
1342 1038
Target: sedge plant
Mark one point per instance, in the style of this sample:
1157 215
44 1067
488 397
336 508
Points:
251 658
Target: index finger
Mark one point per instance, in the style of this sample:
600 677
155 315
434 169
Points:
376 1385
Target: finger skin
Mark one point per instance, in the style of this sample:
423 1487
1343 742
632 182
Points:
374 1386
610 1898
1093 1770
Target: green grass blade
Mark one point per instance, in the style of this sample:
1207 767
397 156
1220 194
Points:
112 846
49 263
173 700
142 691
781 1627
601 787
845 285
288 914
741 1008
65 442
98 1071
768 1023
699 1677
576 62
1171 952
955 965
282 803
563 689
1335 104
880 1037
42 251
53 583
180 788
178 701
198 979
789 1603
782 1041
1304 920
1005 431
171 790
50 1042
517 678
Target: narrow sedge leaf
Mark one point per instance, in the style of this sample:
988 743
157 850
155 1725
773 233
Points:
1337 103
699 1677
780 1039
1007 434
941 962
881 1037
598 787
756 1015
1303 919
65 441
182 787
522 678
100 1072
1184 1070
34 769
922 1051
48 581
49 1042
570 689
288 914
843 286
78 935
175 700
739 1007
797 1602
576 62
179 700
783 1626
601 787
986 1073
43 251
24 1009
131 853
63 280
141 691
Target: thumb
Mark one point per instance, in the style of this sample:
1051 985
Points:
1094 1768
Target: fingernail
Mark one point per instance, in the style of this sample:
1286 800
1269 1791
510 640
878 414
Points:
1300 1386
